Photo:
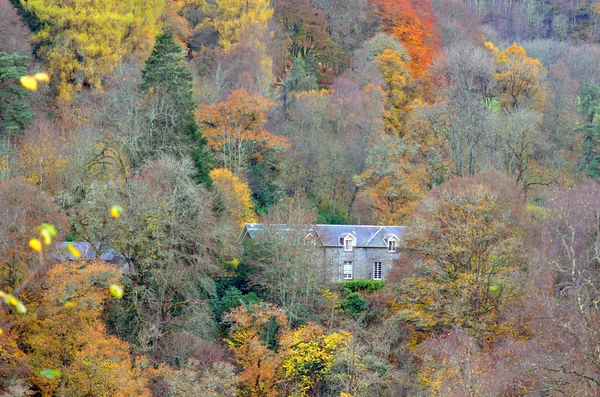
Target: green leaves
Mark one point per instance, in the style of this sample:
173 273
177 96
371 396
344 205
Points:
51 374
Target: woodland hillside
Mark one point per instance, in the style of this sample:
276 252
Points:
155 129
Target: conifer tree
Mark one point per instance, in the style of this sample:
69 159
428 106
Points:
14 111
166 76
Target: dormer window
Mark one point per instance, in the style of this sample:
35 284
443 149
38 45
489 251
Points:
347 245
391 241
310 239
392 245
348 241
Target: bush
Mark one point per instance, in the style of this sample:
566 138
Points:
354 303
362 285
233 297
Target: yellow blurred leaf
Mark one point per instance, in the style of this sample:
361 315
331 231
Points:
74 251
35 244
116 291
115 211
70 305
29 83
21 308
42 77
46 236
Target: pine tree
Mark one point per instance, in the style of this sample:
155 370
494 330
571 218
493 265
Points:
14 111
166 75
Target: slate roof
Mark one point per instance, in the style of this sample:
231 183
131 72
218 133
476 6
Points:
329 235
87 253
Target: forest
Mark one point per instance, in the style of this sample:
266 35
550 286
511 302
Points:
155 129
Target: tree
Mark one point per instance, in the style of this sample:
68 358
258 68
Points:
23 207
590 110
288 262
519 78
231 17
80 45
67 335
170 239
565 290
466 240
235 130
309 356
15 113
252 333
237 197
168 82
392 183
395 73
306 30
276 360
43 155
414 24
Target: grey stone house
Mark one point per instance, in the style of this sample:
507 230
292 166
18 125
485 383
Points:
349 252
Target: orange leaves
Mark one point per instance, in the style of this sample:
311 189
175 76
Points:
235 129
413 23
91 362
261 366
302 357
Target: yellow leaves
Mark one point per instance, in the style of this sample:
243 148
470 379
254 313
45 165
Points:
81 46
46 231
231 17
303 358
31 82
42 77
70 305
115 211
35 244
490 46
116 291
310 354
519 78
236 195
73 251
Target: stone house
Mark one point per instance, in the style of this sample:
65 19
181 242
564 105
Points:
349 252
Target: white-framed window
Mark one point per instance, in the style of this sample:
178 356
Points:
348 267
348 244
377 271
392 245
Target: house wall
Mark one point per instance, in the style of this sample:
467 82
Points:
362 258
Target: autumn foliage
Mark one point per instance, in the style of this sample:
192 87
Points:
276 360
67 334
414 24
236 195
235 129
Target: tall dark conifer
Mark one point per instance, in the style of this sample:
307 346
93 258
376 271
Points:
165 74
14 111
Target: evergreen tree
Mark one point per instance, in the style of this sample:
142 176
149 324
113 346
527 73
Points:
589 105
166 76
14 111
